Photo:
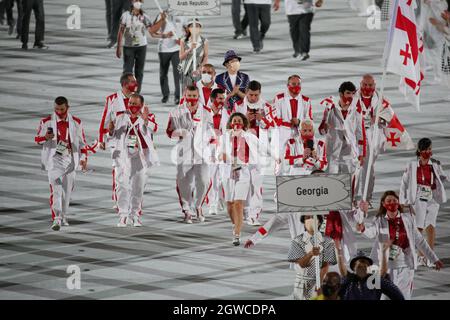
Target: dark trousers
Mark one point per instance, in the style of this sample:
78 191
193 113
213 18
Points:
257 13
117 8
38 7
239 26
134 58
108 16
165 59
9 13
300 30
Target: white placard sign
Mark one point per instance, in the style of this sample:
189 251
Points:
194 7
318 192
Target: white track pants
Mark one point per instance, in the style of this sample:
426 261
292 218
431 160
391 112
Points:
192 185
130 179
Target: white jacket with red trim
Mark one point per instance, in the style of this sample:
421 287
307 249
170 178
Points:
268 112
76 136
118 138
204 92
351 128
113 104
296 164
197 132
282 106
219 130
369 114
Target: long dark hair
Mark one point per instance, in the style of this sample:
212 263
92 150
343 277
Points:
243 117
382 210
141 12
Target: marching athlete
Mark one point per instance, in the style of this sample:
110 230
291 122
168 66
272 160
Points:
131 135
238 149
206 84
219 118
260 115
64 150
342 125
115 102
422 188
292 107
190 124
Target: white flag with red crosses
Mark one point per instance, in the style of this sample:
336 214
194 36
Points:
403 50
396 136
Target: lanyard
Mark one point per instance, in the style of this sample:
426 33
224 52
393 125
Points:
67 130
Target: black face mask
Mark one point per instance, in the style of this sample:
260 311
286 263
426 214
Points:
328 290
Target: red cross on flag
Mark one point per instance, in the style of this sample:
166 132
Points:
397 138
403 49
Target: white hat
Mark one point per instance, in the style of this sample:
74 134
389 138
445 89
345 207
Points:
192 21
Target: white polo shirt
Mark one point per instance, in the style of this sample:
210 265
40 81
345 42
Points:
298 6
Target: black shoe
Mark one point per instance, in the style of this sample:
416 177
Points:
24 46
296 54
304 57
10 30
164 99
40 45
238 36
111 44
256 50
176 101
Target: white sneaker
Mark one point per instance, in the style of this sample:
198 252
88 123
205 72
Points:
56 225
188 218
213 210
122 222
115 207
137 222
253 222
431 264
65 222
236 241
200 215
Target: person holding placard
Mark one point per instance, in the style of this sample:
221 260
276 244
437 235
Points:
193 53
303 252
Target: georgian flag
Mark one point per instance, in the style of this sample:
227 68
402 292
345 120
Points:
397 138
402 52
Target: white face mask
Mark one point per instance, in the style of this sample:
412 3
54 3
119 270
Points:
234 66
137 5
206 78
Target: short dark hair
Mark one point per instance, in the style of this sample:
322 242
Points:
238 114
137 95
422 145
62 101
254 86
124 78
347 86
216 92
191 88
319 217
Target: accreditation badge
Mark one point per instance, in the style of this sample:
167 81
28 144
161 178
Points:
425 193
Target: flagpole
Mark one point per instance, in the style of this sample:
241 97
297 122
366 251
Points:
375 132
317 265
